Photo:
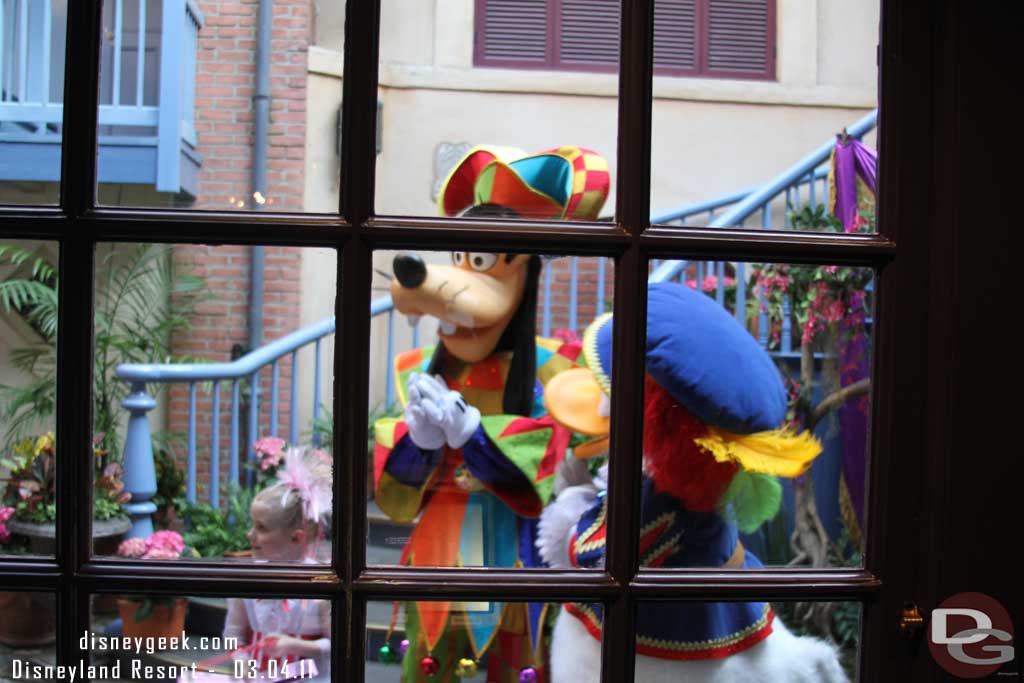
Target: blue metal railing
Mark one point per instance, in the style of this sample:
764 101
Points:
734 209
161 98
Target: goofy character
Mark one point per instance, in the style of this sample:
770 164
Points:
711 453
473 457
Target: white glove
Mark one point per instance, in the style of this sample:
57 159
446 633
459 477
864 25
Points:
446 409
422 418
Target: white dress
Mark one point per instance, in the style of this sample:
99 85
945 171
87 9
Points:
251 619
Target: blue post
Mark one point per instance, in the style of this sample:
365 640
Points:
254 417
762 320
316 390
190 489
172 26
215 448
274 373
233 452
787 326
600 285
741 293
293 409
720 288
139 468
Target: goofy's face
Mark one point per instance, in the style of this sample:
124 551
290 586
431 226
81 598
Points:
474 298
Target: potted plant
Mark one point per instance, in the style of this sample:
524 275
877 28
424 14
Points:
31 466
153 616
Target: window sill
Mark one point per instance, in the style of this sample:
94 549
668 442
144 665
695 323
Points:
412 76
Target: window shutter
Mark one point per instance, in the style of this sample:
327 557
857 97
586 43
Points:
589 34
740 34
675 45
512 32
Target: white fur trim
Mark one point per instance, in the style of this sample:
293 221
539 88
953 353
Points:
558 523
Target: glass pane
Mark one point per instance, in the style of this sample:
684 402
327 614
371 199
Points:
459 641
520 79
28 396
745 93
470 492
32 37
28 631
216 399
800 642
196 112
192 639
756 419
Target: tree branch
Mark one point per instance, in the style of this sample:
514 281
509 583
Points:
836 399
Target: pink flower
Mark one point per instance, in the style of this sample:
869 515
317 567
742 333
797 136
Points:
270 450
165 541
132 547
160 554
317 453
5 514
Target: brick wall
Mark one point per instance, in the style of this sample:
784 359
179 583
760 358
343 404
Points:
225 82
588 306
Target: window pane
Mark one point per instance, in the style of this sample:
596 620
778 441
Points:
28 396
32 37
744 93
28 631
210 639
526 76
470 493
464 641
186 121
778 414
241 468
756 419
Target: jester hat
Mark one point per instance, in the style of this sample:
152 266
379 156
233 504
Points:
713 367
567 183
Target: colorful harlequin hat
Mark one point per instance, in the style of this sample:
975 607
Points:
715 369
568 183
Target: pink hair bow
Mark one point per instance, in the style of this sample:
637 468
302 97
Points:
314 490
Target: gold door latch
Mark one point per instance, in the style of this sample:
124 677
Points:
911 621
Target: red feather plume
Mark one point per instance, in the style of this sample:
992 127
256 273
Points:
674 461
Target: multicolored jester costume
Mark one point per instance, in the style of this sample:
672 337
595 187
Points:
473 457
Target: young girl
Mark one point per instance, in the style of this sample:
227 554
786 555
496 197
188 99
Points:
289 520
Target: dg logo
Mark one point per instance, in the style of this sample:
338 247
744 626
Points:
971 635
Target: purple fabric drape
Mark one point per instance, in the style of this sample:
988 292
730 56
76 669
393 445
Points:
853 415
851 159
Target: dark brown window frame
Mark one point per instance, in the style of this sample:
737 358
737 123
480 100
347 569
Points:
77 224
553 38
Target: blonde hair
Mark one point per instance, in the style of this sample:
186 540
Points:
286 504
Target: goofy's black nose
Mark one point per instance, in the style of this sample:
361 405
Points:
410 270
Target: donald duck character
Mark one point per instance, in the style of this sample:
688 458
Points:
712 450
473 457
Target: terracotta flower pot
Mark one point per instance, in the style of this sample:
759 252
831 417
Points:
166 620
30 619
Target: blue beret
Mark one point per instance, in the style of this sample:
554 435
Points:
704 358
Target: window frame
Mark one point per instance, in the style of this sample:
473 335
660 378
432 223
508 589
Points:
78 224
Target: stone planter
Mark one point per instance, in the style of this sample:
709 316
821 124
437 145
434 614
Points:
42 538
